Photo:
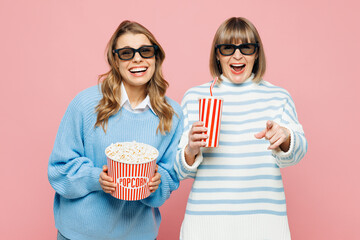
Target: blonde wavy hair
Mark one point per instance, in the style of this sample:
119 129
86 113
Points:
233 30
111 82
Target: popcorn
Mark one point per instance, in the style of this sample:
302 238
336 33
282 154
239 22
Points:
131 166
131 152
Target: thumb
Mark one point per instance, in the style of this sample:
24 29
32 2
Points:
261 134
105 168
269 124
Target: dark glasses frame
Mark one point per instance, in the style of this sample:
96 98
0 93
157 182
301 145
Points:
134 51
240 47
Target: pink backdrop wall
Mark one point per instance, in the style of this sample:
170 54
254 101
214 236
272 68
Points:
51 50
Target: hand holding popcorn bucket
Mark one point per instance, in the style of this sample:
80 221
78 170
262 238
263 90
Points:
131 165
210 111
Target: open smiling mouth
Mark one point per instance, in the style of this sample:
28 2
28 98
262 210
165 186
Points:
138 71
237 68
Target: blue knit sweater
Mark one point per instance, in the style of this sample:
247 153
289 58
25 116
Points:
82 209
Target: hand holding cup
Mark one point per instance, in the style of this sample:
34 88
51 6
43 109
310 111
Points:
197 135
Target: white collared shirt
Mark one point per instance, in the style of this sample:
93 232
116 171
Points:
142 107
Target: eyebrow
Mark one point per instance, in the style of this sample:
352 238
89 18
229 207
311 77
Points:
138 47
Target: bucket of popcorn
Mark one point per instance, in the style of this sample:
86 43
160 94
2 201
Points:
131 165
210 110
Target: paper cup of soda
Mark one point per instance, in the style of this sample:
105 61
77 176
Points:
210 110
131 165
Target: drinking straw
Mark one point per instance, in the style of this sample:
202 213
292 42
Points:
212 85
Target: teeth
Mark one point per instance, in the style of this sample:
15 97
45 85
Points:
237 65
134 70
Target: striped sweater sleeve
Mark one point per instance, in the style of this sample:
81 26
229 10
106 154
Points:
182 169
298 142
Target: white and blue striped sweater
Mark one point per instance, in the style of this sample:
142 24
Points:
238 191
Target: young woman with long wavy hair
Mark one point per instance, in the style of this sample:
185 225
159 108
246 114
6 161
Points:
129 104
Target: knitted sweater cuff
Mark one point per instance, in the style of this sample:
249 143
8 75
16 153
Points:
198 160
286 155
95 174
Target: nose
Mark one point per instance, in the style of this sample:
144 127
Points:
137 57
237 54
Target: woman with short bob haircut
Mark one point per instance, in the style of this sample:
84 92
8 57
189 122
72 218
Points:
129 104
238 191
230 31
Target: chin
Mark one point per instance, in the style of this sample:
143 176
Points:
237 79
240 78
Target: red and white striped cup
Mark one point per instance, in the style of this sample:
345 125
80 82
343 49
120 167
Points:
131 178
210 110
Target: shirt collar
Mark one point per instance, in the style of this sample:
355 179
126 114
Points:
142 106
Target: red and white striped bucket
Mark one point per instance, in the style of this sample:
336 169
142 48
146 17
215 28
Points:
131 179
210 110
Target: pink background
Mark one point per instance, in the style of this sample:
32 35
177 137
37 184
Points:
51 50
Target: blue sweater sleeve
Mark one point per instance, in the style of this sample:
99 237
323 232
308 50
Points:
169 180
70 173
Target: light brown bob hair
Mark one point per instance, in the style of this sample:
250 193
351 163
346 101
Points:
233 31
111 82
